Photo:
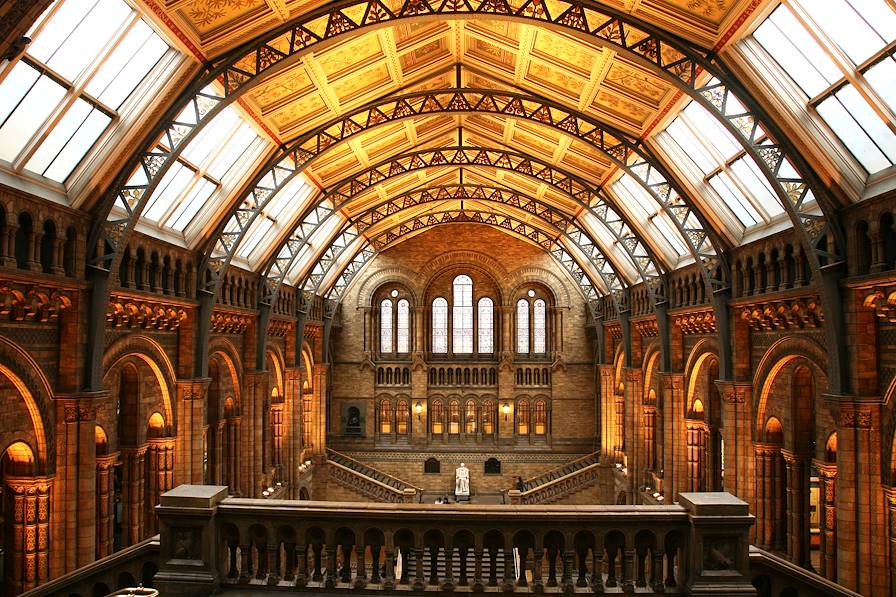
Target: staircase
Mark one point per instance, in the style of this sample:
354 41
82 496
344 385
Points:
561 482
368 481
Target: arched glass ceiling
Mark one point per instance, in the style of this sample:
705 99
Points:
840 54
55 104
78 76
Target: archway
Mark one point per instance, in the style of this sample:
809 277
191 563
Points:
222 444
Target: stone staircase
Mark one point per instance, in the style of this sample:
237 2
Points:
558 483
368 481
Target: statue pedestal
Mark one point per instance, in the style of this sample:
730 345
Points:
462 497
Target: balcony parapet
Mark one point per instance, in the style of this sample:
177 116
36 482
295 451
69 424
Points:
212 542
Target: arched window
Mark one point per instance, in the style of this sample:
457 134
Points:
486 326
522 425
488 417
402 329
541 418
436 417
440 326
470 417
385 417
386 326
522 326
462 320
454 417
538 327
402 413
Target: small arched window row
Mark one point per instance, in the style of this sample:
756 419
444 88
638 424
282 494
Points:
533 376
393 416
468 416
464 328
393 376
532 417
463 376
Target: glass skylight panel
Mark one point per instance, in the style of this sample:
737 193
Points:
87 57
646 210
856 33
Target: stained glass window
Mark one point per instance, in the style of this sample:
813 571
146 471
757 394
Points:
86 60
538 327
522 326
386 326
385 416
440 326
541 418
402 329
454 417
470 417
522 420
437 416
826 48
402 413
486 326
462 320
488 417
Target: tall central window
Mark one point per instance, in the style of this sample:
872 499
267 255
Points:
486 326
386 326
463 315
531 325
440 326
522 326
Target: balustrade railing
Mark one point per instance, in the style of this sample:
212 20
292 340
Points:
371 482
699 547
774 576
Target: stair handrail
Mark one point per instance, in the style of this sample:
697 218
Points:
549 477
359 468
794 572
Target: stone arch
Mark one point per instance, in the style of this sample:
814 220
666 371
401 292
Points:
704 350
150 352
231 357
493 274
396 275
775 359
537 275
28 379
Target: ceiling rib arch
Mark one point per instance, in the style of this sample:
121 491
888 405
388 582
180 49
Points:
631 157
578 190
674 59
328 278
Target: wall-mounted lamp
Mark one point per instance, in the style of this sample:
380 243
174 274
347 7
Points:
418 408
505 408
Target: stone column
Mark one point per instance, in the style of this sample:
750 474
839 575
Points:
827 518
105 504
159 475
607 414
191 425
29 556
797 466
74 513
132 494
673 435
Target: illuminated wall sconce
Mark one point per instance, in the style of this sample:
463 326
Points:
418 408
505 408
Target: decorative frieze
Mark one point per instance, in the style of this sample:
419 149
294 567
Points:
883 301
228 322
32 302
648 328
280 328
138 314
787 314
696 322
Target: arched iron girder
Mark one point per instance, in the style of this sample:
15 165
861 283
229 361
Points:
672 58
323 271
562 221
633 159
576 189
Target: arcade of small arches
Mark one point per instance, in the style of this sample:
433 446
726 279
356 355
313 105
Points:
329 251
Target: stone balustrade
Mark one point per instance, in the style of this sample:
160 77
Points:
211 542
558 482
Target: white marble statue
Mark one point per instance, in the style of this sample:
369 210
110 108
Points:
462 480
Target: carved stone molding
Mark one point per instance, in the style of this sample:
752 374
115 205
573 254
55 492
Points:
647 328
138 314
788 314
32 302
883 301
225 322
855 419
280 328
697 322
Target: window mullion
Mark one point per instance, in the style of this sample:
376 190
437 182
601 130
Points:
846 66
